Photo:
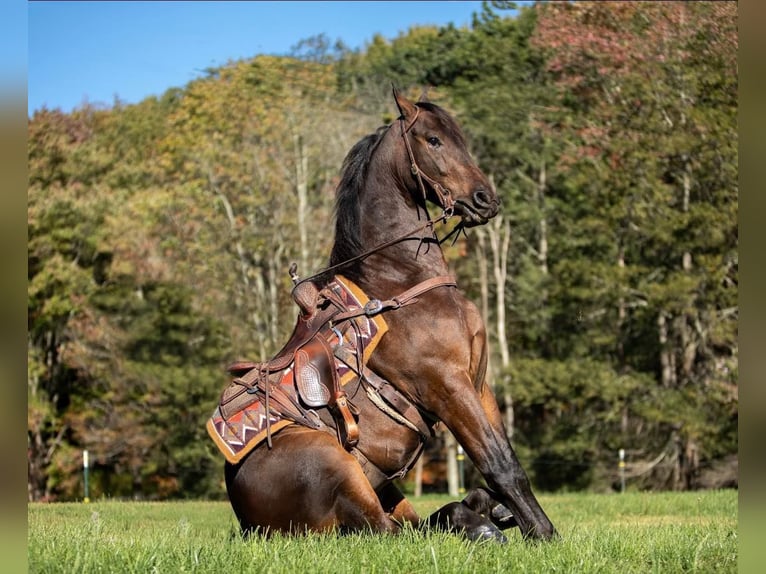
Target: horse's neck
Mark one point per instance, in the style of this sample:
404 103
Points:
407 262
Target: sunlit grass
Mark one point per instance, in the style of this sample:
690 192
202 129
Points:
635 532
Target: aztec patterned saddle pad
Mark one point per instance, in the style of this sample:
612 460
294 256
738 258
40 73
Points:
237 433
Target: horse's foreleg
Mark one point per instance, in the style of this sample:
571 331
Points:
506 477
478 427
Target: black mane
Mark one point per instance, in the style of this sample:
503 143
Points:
347 216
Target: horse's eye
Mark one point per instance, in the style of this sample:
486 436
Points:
433 141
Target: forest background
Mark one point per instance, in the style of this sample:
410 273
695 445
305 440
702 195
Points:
160 233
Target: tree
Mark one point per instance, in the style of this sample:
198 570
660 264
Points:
63 270
160 235
631 83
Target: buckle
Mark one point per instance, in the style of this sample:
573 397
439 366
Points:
338 334
373 306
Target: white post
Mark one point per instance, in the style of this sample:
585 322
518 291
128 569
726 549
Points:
621 466
452 476
85 470
461 469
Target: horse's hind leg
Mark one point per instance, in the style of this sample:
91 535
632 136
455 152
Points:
305 482
474 517
397 506
479 516
358 507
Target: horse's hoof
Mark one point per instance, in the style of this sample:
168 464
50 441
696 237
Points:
486 532
502 517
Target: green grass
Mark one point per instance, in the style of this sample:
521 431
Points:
634 532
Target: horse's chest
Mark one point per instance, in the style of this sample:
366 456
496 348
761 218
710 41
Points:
432 341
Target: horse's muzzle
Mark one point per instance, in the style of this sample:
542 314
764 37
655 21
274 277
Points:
482 206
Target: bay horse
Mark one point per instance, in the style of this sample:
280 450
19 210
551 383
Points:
434 354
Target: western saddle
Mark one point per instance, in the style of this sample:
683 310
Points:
311 354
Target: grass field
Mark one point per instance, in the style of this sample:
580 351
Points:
633 532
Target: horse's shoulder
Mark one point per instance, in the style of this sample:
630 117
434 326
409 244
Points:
470 313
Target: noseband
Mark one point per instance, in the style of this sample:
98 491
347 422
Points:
444 194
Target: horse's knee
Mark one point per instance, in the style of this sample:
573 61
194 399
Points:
459 518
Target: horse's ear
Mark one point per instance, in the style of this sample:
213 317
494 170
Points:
406 108
423 96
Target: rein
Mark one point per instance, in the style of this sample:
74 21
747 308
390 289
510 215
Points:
430 223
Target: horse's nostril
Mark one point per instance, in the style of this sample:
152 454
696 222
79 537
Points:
482 198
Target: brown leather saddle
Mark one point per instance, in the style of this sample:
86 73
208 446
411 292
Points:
308 363
309 353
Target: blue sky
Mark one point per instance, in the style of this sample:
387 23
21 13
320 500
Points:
94 51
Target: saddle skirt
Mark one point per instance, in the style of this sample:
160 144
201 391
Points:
298 379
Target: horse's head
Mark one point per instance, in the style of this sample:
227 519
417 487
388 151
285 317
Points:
441 166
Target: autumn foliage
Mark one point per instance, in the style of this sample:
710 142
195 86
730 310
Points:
160 235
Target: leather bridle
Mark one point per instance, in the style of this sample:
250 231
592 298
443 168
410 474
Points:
444 194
